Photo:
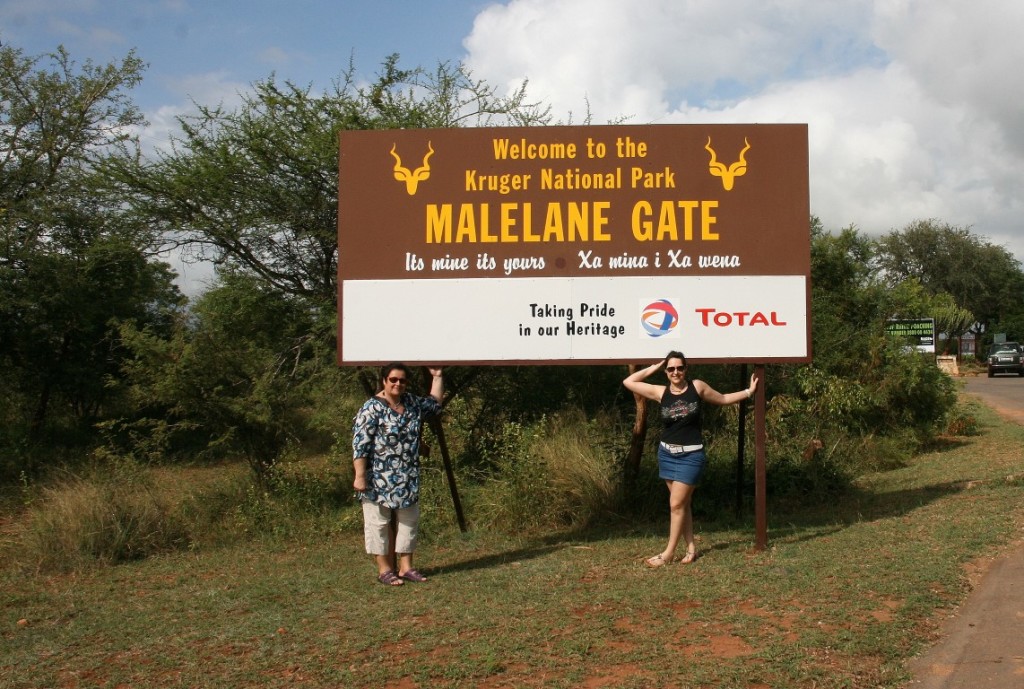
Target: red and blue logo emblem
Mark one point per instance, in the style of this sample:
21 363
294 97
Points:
659 318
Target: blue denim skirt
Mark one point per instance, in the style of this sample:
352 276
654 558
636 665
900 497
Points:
686 467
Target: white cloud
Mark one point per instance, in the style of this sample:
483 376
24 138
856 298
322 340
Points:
912 105
275 56
693 50
210 89
960 54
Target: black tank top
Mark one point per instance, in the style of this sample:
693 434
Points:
680 417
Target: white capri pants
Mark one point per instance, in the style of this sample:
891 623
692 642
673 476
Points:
376 519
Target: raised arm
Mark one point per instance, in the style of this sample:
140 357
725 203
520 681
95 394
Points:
437 384
634 382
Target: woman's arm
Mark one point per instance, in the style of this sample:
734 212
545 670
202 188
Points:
712 396
364 428
634 382
437 384
359 484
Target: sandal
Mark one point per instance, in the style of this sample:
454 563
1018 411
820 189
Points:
389 578
656 561
691 556
414 576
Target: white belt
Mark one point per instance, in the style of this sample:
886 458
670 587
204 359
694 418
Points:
676 449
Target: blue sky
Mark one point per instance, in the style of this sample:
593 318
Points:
913 106
195 48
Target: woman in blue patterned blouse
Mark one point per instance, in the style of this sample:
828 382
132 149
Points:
385 451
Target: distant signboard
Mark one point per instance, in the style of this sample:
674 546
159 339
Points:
920 332
574 244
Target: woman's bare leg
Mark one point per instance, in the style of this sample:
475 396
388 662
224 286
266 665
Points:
680 499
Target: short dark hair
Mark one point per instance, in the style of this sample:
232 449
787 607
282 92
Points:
395 366
676 355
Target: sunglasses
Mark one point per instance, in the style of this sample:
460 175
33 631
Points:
673 369
397 381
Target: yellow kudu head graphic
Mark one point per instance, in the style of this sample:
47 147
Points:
412 179
731 172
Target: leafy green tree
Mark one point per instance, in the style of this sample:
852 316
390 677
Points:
256 188
951 321
864 397
71 266
851 303
982 278
1011 324
844 294
229 382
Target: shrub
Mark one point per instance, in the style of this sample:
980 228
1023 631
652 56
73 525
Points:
961 423
563 471
120 510
109 517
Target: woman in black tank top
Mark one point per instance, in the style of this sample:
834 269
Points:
681 458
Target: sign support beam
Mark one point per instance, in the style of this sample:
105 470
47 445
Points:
760 473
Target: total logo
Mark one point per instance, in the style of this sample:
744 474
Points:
724 319
660 318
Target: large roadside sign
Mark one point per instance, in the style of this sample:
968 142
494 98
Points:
589 244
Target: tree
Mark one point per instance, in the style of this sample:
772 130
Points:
71 266
951 320
227 383
982 278
256 188
861 381
843 286
57 124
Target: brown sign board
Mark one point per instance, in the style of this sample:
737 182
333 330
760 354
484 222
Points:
589 244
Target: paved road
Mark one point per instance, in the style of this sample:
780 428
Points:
1004 393
982 646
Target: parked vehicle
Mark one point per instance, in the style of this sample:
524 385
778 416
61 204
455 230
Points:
1006 357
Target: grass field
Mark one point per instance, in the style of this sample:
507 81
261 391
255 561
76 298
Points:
841 598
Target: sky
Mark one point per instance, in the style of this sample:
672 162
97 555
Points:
914 107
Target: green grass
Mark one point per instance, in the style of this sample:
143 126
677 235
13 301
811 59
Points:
841 598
